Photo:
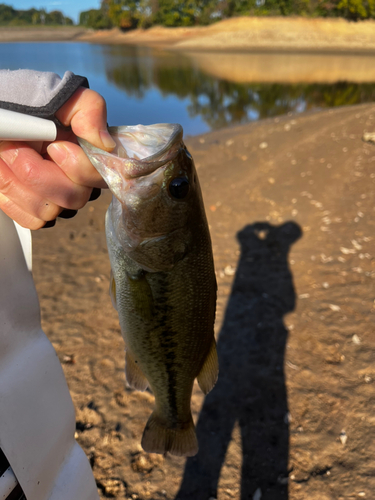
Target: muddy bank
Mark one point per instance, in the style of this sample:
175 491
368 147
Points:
290 203
41 34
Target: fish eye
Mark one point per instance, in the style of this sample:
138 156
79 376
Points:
179 187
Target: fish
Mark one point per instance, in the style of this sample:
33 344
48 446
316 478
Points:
162 281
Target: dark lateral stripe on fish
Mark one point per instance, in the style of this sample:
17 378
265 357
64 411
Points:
168 343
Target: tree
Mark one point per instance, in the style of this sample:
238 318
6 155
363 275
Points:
356 9
177 13
123 13
94 18
7 13
12 17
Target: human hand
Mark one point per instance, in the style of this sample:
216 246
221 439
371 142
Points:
39 180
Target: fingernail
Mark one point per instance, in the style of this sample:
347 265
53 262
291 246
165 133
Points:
58 153
107 140
8 155
67 213
95 193
50 223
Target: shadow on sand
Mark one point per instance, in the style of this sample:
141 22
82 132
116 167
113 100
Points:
251 387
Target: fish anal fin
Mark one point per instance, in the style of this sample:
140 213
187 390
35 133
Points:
134 375
208 375
179 440
112 290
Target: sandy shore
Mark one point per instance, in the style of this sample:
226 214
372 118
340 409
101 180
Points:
237 34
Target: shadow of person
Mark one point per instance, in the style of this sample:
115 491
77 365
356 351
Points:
251 388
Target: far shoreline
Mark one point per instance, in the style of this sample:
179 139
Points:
235 35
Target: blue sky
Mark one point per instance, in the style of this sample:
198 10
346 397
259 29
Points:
70 8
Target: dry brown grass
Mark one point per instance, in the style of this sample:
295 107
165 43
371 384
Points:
245 33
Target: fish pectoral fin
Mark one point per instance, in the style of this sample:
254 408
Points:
163 253
142 299
159 437
112 290
134 375
208 375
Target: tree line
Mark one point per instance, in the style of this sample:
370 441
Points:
128 14
13 17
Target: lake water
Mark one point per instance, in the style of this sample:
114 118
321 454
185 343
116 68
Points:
202 91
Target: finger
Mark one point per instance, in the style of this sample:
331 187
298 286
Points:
42 177
16 213
28 201
75 164
86 113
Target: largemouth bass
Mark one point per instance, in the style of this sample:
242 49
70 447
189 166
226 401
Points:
163 281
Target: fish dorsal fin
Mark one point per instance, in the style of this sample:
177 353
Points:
134 375
112 290
208 375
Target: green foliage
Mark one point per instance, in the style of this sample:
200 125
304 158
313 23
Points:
95 19
123 13
12 17
128 14
356 9
176 13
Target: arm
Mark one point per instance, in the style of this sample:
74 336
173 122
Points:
38 181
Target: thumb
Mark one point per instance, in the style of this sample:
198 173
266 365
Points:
86 113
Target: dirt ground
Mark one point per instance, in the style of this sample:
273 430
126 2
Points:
290 203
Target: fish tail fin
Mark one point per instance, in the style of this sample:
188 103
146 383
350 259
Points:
159 438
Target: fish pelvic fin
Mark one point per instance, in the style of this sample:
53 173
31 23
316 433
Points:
208 375
180 440
134 375
112 290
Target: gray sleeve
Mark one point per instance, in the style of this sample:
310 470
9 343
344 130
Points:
37 93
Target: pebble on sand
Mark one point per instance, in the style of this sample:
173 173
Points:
343 438
258 494
369 137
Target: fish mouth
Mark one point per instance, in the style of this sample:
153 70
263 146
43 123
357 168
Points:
140 149
146 142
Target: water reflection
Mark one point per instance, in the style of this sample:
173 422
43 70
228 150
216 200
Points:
202 91
221 102
288 67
